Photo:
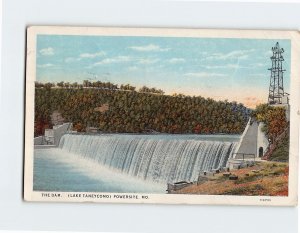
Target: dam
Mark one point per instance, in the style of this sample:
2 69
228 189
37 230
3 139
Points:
129 162
160 158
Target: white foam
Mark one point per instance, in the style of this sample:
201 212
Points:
108 177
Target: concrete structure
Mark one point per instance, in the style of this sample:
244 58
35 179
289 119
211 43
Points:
253 143
53 136
177 186
40 140
234 164
92 130
60 130
262 141
49 136
44 146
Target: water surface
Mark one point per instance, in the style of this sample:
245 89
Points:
128 162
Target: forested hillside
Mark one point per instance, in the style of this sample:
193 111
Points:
130 111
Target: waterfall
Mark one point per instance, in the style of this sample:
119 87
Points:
151 157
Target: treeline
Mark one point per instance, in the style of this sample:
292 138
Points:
138 112
97 84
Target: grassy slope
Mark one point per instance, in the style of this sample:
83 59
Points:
270 180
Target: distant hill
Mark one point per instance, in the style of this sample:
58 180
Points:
130 111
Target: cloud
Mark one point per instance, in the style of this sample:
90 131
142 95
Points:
176 60
259 65
119 59
268 53
70 59
234 66
148 61
260 75
45 65
205 75
227 66
92 55
149 48
85 56
133 68
47 51
236 54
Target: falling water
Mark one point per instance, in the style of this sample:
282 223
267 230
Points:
151 157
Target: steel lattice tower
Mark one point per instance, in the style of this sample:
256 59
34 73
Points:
276 91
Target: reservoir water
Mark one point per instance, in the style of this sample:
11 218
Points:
127 162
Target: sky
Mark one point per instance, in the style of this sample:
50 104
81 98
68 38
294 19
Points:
232 69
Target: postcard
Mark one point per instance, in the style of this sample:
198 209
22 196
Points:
162 115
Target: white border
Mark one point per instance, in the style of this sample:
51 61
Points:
294 36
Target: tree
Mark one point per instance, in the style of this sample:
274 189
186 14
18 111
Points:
86 83
274 119
60 84
39 85
74 85
48 85
67 85
131 111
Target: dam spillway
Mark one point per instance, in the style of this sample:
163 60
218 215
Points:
159 158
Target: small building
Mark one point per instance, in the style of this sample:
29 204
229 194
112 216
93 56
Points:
53 136
49 136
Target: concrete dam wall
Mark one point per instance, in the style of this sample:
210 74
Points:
53 136
253 143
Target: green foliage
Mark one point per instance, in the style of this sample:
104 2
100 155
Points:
145 89
281 153
127 87
136 112
274 119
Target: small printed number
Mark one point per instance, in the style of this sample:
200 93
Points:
265 199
